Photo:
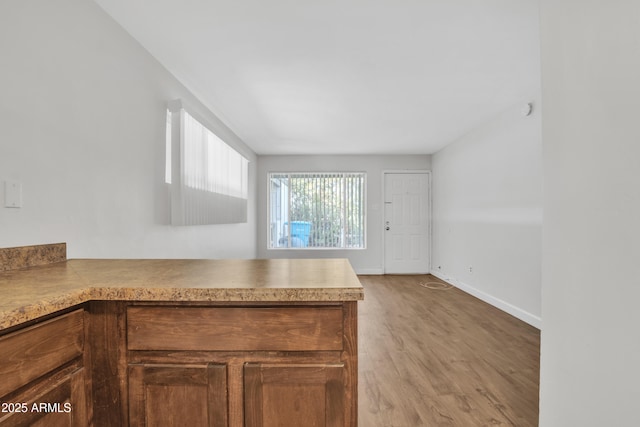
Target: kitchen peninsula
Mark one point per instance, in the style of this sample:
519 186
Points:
176 342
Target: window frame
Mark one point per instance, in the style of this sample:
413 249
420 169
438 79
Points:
269 242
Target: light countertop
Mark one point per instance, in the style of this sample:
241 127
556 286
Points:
29 293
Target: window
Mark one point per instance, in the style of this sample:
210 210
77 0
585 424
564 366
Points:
317 210
208 179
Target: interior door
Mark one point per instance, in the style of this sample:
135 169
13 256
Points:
406 223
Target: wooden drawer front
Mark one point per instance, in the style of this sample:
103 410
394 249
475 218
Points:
60 401
235 328
30 353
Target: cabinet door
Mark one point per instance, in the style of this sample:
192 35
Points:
34 352
59 401
177 395
294 395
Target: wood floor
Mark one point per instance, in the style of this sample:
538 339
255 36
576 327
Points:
432 357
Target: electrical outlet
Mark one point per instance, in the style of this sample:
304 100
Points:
470 269
12 194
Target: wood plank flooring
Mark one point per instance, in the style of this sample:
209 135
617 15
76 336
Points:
433 357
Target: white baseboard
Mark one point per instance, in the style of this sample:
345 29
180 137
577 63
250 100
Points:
516 312
370 271
380 271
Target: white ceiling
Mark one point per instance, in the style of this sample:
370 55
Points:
344 76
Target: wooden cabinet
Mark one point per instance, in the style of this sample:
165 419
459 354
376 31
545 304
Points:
294 395
179 342
234 365
57 401
241 365
44 382
177 395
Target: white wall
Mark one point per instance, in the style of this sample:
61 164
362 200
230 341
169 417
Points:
487 212
590 351
366 261
82 127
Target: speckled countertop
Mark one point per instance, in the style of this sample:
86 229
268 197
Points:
29 293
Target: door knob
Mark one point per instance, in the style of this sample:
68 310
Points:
387 228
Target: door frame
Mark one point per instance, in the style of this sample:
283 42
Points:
429 212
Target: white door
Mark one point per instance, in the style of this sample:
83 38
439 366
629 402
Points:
406 223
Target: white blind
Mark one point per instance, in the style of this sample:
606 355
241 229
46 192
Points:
209 179
210 164
317 210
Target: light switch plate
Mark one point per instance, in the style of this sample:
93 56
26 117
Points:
12 194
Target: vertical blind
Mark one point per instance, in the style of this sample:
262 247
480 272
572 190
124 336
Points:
317 210
210 165
209 179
